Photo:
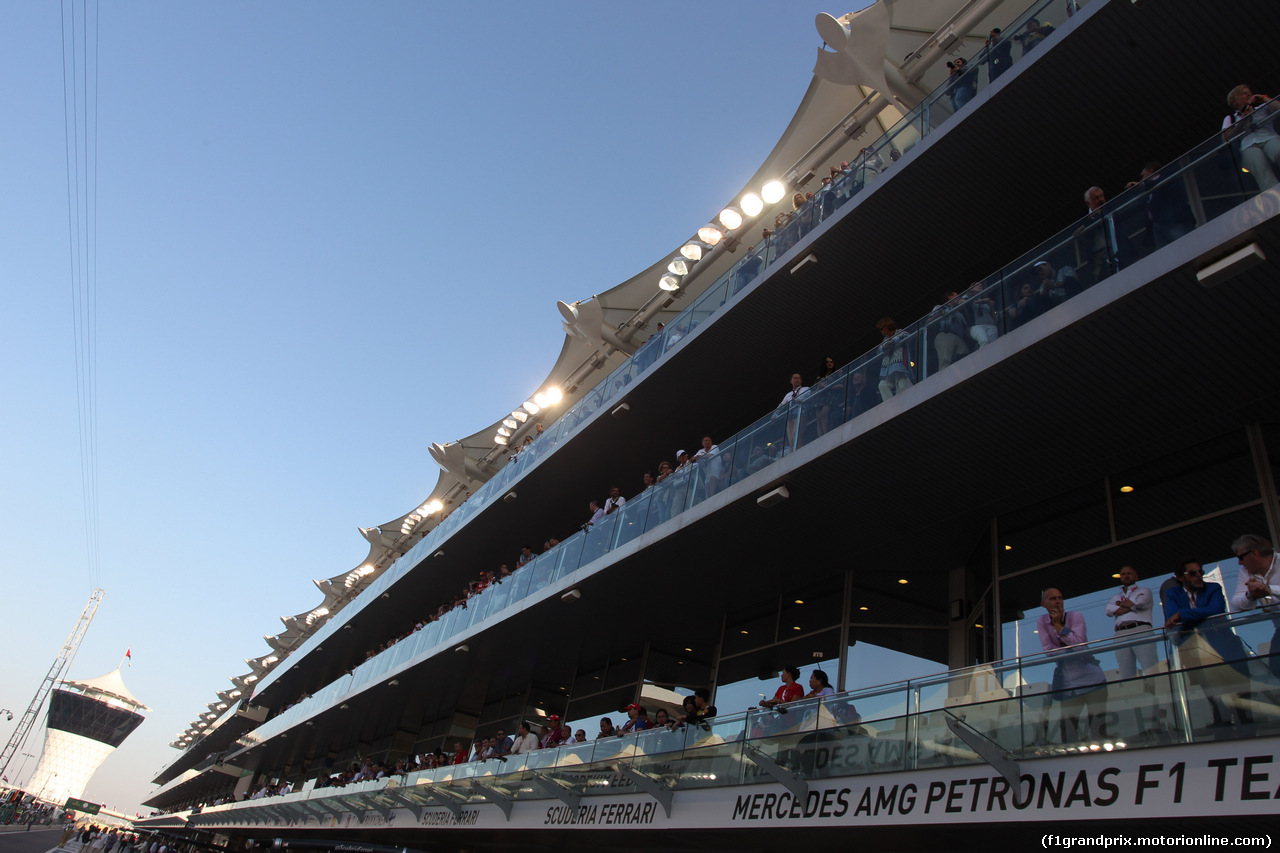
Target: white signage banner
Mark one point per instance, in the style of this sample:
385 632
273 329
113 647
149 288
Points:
1240 777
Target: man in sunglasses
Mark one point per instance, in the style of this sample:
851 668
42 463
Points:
1258 584
1193 600
1185 608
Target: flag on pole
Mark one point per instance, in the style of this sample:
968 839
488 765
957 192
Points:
128 655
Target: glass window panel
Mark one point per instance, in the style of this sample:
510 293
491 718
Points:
823 408
634 514
597 540
715 470
709 302
520 583
662 505
758 446
541 568
571 554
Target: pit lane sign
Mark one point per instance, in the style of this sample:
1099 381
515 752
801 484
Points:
82 806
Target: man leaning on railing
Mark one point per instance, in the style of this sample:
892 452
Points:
1258 584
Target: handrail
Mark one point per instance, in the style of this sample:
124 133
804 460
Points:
908 720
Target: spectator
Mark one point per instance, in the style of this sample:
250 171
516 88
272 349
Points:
708 448
1131 608
1186 607
1025 308
664 471
1169 216
690 706
526 741
615 501
1258 583
1095 199
895 363
963 83
819 685
459 757
1053 289
682 460
861 395
502 743
998 53
597 514
984 329
951 322
1258 143
554 734
1033 33
748 269
638 719
828 390
789 407
702 699
526 556
648 481
1091 238
827 195
846 183
662 720
789 691
606 728
757 459
1078 682
723 476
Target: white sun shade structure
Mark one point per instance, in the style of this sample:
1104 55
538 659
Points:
87 721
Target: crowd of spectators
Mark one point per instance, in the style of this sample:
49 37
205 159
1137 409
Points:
961 323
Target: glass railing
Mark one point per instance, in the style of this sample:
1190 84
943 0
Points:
1206 181
873 162
1196 686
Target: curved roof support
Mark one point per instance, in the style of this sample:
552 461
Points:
948 38
640 320
452 458
586 318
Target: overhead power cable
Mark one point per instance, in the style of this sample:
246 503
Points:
79 91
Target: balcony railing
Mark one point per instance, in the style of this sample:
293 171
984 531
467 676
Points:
927 117
1217 682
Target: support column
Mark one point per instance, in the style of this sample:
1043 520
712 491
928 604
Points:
958 623
1266 482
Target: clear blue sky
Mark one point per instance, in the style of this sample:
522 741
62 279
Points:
327 235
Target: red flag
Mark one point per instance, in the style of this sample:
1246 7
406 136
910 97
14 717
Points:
128 655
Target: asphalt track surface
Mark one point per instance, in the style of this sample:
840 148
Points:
38 840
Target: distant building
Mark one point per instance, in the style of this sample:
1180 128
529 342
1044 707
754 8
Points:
87 721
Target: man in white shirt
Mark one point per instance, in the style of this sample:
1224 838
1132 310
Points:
1258 584
526 741
707 448
1131 608
615 501
789 402
1248 125
1259 579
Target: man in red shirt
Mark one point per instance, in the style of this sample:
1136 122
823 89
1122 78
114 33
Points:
789 691
554 734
